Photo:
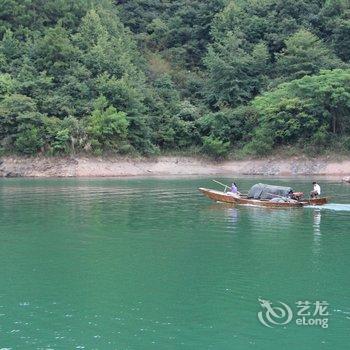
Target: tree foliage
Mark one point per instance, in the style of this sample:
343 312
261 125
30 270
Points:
146 76
305 54
311 110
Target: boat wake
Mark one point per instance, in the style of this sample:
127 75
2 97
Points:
331 206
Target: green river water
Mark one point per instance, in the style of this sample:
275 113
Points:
152 264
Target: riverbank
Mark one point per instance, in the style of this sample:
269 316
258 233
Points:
118 167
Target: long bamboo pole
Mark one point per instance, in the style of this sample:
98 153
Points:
220 183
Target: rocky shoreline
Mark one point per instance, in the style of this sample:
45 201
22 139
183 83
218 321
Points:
12 166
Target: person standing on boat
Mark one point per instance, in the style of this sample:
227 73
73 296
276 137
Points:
316 191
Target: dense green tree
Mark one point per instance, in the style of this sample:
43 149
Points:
235 75
232 125
65 136
18 116
28 16
180 28
305 54
107 129
215 147
288 29
334 26
308 110
271 21
173 120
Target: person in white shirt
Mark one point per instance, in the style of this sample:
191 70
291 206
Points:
316 191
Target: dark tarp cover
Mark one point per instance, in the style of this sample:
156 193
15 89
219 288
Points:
263 191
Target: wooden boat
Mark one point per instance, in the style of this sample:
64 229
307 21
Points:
314 201
240 200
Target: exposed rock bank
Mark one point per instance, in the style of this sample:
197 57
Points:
110 167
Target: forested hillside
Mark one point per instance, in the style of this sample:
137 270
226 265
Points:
220 77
